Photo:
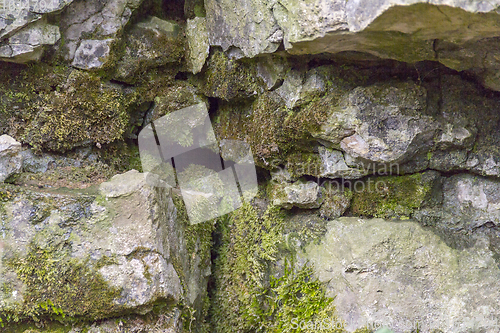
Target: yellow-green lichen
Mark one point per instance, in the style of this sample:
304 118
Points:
85 111
392 196
61 288
226 78
247 297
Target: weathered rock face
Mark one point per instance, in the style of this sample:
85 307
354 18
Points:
329 123
89 29
124 249
398 274
469 202
16 14
197 39
28 43
151 43
405 30
11 160
351 108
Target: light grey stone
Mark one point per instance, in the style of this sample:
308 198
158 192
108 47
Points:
380 124
469 202
92 53
299 194
395 274
11 159
246 26
197 38
103 20
334 165
28 43
128 233
14 15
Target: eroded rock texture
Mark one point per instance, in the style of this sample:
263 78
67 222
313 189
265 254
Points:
374 126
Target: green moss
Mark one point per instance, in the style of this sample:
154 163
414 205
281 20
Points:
121 156
392 196
226 79
267 117
303 163
86 111
70 177
247 297
60 288
291 301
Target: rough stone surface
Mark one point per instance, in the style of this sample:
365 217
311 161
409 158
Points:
17 14
302 195
11 160
469 202
197 39
28 43
398 274
461 35
165 323
334 165
101 20
92 53
151 43
129 234
244 29
398 108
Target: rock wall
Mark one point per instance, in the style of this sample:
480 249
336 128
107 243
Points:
374 126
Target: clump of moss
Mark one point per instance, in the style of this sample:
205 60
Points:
69 176
248 241
121 156
247 297
301 163
266 117
61 288
83 111
226 78
394 196
295 302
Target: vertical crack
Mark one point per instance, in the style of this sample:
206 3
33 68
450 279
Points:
439 80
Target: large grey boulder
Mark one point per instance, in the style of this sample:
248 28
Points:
381 124
124 249
11 159
398 275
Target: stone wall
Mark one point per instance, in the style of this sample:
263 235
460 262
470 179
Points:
374 126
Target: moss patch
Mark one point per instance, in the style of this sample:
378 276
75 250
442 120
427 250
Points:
85 111
58 288
247 297
226 79
198 245
393 196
